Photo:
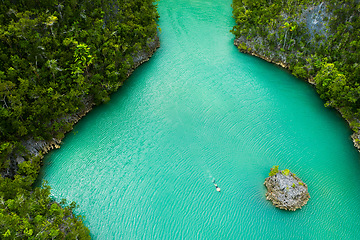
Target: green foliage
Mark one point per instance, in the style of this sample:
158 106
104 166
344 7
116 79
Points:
53 57
242 46
285 172
301 183
330 55
299 71
293 185
83 59
333 86
274 170
33 215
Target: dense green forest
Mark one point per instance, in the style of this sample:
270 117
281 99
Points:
317 40
57 57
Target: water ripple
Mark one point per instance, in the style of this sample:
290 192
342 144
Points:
141 166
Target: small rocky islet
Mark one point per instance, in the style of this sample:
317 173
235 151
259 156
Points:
286 190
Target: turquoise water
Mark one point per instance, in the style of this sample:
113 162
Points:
141 166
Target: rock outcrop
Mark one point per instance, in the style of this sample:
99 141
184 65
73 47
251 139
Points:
285 190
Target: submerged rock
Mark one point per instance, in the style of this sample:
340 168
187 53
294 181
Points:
285 190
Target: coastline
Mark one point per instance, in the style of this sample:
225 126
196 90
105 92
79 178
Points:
38 148
237 43
355 136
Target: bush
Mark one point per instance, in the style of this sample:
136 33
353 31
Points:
285 172
299 71
274 170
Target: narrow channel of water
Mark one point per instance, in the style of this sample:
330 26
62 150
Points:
141 166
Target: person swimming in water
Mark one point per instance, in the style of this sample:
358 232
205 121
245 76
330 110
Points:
216 186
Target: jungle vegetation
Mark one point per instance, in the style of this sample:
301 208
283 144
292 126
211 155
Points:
318 40
56 55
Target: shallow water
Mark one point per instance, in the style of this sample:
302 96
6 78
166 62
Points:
141 166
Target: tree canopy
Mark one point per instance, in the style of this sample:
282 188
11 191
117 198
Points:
55 56
318 40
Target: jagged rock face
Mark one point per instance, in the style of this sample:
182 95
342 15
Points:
314 19
286 191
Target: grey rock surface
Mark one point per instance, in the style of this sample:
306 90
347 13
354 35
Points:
286 191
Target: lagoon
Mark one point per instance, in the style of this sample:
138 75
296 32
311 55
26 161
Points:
142 165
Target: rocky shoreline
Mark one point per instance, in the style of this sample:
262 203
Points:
285 190
237 42
37 148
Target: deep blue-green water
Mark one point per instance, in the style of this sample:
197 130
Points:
141 166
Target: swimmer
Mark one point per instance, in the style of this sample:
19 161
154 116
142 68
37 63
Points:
216 186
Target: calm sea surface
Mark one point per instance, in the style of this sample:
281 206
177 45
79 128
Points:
141 166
